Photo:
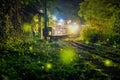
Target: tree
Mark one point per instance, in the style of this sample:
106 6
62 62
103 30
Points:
104 17
14 13
103 14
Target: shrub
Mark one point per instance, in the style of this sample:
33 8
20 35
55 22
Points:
96 36
90 34
113 39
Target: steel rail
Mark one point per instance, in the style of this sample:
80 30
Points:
114 57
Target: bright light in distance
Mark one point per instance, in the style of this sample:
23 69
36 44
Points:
54 17
41 11
73 29
74 23
61 20
69 21
59 23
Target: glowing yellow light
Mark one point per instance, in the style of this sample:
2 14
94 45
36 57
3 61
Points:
36 28
30 48
107 62
87 42
27 27
35 18
67 56
48 65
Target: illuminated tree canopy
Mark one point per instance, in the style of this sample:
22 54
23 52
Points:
104 14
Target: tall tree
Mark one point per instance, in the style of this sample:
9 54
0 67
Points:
14 13
103 14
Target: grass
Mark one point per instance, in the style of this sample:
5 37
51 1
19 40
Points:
41 61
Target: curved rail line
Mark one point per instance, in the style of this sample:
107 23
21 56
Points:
112 56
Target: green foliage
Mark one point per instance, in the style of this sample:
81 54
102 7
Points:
101 14
90 35
67 56
95 36
42 61
17 19
104 16
113 39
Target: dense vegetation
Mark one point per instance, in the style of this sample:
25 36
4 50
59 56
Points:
23 56
102 20
44 61
20 19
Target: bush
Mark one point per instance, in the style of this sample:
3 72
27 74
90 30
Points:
96 36
113 39
90 34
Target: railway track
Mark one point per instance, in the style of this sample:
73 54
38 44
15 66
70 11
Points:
95 58
115 57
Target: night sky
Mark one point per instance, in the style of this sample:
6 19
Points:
67 9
